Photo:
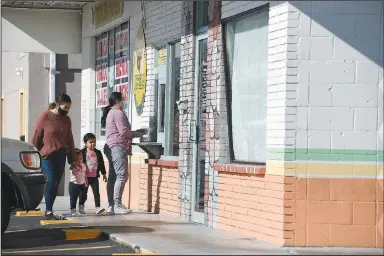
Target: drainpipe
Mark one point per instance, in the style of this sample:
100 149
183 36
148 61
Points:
52 77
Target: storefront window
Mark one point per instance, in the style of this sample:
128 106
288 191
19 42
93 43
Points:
247 66
167 72
112 56
202 17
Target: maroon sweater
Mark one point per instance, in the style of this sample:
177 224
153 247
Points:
54 132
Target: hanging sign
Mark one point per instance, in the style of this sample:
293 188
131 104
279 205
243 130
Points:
121 67
101 97
139 71
101 73
101 48
107 11
123 88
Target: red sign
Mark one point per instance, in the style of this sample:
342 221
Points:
121 67
123 88
102 48
101 97
101 73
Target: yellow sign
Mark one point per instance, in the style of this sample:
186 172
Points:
139 71
162 58
107 11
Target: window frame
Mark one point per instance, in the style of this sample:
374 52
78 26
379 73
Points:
169 99
228 82
197 7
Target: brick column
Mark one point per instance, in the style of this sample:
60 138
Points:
282 86
187 70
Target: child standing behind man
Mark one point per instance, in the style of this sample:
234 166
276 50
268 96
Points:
94 164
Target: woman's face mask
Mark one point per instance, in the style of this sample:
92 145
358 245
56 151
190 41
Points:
64 109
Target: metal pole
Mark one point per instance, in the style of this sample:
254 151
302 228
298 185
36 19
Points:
52 77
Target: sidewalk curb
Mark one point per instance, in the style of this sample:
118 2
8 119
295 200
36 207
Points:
134 247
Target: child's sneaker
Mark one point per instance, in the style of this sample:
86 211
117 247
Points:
81 209
73 212
110 210
99 210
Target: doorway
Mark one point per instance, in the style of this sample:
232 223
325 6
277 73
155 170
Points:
199 143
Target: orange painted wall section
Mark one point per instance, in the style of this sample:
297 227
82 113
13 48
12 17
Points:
159 190
302 211
339 212
261 207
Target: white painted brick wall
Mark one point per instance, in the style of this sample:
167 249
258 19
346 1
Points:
339 69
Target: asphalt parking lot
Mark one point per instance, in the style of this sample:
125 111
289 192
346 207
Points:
26 236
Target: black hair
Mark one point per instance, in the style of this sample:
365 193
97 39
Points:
63 98
88 136
77 151
113 99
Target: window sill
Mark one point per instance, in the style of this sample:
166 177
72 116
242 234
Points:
240 169
164 163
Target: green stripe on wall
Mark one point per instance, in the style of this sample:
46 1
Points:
333 155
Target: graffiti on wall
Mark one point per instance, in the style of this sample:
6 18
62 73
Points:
139 71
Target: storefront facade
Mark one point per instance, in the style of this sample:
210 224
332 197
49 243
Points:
264 118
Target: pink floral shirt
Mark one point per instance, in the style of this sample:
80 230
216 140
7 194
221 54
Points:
91 164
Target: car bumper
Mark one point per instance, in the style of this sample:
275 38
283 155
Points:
31 187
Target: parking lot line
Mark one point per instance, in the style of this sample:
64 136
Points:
57 222
59 250
13 231
81 234
30 213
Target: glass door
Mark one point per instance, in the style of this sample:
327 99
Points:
199 146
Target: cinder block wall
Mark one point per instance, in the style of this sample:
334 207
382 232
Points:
339 149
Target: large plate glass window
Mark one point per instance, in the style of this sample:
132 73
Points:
246 41
112 69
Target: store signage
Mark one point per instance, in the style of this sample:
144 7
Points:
121 67
102 48
122 41
139 71
101 73
123 88
107 11
162 58
101 97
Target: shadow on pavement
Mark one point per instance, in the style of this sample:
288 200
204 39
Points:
41 237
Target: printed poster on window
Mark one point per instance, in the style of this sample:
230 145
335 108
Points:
121 67
162 58
101 97
102 48
122 42
123 88
101 73
139 71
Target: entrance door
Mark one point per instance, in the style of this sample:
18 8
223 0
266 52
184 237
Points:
199 146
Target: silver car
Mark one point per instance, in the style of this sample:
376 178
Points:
22 181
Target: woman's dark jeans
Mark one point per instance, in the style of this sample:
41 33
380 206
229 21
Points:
53 166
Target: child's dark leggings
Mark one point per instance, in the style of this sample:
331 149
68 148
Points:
94 184
77 191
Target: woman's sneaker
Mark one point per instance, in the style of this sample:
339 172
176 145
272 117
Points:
110 210
81 209
73 212
99 210
121 208
51 216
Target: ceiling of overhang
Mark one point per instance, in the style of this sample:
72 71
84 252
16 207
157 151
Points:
47 5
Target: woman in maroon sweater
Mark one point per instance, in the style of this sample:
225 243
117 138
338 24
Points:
53 138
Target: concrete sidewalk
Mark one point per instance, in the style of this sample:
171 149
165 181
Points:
166 235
